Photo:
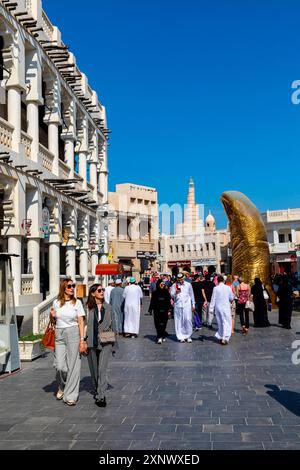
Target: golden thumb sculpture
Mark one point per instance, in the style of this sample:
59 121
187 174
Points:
250 248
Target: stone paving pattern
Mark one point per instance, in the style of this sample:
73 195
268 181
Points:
170 396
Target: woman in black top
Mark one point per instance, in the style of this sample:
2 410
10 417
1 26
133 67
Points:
161 305
260 313
285 295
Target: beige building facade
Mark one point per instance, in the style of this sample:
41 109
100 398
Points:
133 228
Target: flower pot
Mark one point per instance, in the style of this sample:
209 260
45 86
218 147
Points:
30 350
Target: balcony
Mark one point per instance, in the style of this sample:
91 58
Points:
6 131
27 280
64 170
281 247
26 141
147 246
126 249
46 157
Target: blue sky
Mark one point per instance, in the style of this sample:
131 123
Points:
196 88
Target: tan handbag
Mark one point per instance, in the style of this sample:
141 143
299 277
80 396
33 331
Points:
107 337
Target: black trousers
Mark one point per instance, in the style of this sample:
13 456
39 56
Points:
160 322
244 315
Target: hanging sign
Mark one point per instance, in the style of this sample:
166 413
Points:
46 223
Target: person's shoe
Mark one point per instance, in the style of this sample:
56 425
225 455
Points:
223 342
244 330
133 336
164 340
70 402
198 328
204 324
159 341
101 402
59 395
182 340
189 340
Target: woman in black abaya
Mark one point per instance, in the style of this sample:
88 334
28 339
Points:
260 313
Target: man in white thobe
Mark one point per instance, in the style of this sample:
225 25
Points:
184 306
133 295
108 289
221 304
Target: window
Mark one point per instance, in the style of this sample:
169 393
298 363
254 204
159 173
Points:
281 238
182 248
290 237
207 246
188 247
76 163
132 200
214 246
177 248
140 201
195 247
171 249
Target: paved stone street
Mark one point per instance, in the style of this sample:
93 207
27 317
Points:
169 396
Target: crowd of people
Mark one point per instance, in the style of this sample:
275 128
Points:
92 329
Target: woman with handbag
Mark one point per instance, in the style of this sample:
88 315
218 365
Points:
243 292
68 315
101 341
260 313
161 306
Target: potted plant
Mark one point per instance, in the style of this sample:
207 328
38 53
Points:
30 347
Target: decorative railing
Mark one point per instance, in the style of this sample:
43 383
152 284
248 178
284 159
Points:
64 170
26 140
281 247
47 26
6 131
41 315
46 157
27 280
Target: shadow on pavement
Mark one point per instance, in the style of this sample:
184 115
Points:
290 400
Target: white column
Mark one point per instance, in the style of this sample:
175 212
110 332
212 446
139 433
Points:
33 128
71 261
15 248
53 145
94 182
84 266
293 233
69 155
94 262
54 267
14 116
33 252
275 236
82 168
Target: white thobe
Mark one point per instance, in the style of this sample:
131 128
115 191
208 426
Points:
221 303
107 293
132 309
183 315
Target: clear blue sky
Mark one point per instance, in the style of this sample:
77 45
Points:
196 88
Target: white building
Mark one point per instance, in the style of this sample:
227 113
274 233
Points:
53 160
195 243
283 231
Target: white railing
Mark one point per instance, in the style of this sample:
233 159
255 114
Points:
287 214
6 131
47 26
26 140
41 315
281 247
46 157
27 280
64 170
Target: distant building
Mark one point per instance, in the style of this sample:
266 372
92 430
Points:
283 231
133 231
195 244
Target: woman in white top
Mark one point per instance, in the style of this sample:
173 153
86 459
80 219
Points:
68 315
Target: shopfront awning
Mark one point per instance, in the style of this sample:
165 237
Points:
112 269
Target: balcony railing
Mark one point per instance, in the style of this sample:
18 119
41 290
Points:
26 141
6 131
282 247
64 170
27 280
47 26
46 157
126 249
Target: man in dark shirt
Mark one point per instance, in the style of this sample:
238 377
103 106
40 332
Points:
207 290
197 286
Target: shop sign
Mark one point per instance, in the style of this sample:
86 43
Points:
298 254
146 254
26 225
179 264
46 223
204 262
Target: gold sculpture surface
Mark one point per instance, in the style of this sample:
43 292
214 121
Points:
250 248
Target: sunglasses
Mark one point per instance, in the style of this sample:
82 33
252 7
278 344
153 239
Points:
100 290
71 286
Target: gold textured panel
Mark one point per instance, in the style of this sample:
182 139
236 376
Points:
250 248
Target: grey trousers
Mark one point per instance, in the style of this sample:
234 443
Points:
98 363
67 361
208 317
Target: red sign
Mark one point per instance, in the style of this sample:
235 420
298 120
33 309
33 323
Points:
179 264
112 269
294 258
